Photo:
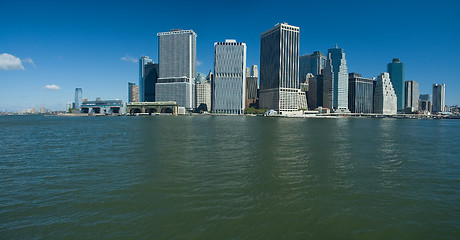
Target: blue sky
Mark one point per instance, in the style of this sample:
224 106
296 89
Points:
62 45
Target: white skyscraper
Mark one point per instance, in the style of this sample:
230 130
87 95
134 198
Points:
385 100
335 88
177 69
229 85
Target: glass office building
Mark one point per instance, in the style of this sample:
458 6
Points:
279 68
397 78
360 93
229 86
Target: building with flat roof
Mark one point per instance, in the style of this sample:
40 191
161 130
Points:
424 102
397 77
133 92
203 93
360 93
439 96
177 67
106 107
279 68
229 87
311 63
144 60
411 96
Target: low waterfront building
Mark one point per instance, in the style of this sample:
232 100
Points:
168 107
385 100
106 107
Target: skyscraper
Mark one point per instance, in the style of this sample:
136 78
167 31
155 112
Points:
439 94
411 96
397 77
335 82
229 87
203 93
142 62
385 99
360 93
177 69
133 92
425 102
78 97
251 87
150 79
311 63
279 68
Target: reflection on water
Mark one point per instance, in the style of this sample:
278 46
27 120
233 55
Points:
206 177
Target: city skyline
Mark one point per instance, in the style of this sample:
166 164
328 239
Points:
76 47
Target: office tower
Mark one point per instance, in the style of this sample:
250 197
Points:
142 62
335 87
229 87
425 102
439 94
254 71
133 92
279 68
411 96
311 63
360 93
150 79
78 97
385 99
397 77
177 59
203 93
251 91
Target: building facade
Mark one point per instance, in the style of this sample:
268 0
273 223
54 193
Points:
411 96
335 82
150 79
203 94
311 63
177 67
279 68
229 86
104 107
385 99
360 93
439 95
397 76
144 60
78 97
425 103
133 92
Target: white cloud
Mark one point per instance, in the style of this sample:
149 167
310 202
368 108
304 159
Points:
29 61
198 63
10 62
52 87
128 58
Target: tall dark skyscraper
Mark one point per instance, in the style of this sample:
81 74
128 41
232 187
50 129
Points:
150 80
144 60
397 78
311 63
360 93
411 96
439 95
279 68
